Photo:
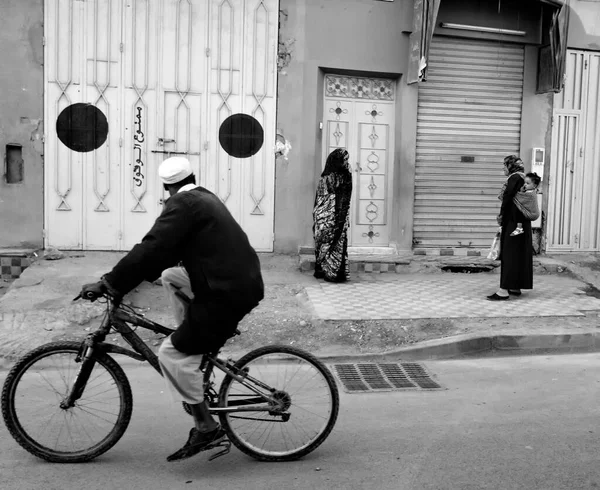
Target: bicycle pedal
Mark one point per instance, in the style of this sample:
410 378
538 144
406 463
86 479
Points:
226 445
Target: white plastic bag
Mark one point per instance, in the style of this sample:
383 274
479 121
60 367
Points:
495 248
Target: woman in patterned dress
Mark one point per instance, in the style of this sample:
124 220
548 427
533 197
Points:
331 218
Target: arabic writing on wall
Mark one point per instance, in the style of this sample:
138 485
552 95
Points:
138 176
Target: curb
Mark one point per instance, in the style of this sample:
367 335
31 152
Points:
481 346
460 346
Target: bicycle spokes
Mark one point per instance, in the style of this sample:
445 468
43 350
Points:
298 409
74 417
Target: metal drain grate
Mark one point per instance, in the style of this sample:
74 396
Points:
384 377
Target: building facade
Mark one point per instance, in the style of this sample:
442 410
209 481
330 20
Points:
117 87
445 144
100 92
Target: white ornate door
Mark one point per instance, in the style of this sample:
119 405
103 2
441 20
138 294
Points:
359 116
64 82
181 107
154 79
102 66
574 179
242 79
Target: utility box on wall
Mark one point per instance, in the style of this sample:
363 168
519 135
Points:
538 156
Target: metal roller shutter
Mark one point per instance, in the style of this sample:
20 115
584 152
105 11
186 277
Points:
469 119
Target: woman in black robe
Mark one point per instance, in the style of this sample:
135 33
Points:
331 218
516 252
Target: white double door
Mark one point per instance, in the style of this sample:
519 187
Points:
166 74
574 180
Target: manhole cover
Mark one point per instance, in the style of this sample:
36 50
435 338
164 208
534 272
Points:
467 269
365 377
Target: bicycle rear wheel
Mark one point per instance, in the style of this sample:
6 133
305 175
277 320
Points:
41 380
301 422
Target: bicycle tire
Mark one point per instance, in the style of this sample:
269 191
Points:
238 440
21 435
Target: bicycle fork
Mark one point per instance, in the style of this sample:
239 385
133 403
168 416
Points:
86 357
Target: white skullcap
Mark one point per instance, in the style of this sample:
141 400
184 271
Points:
174 170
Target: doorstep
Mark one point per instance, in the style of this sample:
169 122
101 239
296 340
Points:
364 263
455 260
408 263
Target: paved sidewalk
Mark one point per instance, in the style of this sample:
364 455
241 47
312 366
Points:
448 295
374 313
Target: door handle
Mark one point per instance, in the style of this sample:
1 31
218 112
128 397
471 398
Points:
162 141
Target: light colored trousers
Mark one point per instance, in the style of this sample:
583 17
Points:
181 371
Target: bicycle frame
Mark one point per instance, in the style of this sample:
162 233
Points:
119 319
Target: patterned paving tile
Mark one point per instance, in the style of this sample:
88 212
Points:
446 296
12 267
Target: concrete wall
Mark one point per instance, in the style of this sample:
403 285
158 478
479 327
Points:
536 118
347 36
506 14
536 131
21 120
584 25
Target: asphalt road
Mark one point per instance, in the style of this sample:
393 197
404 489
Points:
510 423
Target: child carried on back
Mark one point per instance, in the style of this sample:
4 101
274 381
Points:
526 201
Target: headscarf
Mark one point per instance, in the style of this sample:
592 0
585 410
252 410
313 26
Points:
336 163
514 164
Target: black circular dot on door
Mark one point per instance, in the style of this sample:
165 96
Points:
241 135
82 127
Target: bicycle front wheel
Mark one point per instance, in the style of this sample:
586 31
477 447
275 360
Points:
38 384
307 409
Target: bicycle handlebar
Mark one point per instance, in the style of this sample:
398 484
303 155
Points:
89 296
93 297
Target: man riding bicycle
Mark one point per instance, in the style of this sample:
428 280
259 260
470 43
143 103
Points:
220 273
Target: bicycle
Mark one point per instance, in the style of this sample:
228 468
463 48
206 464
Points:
268 420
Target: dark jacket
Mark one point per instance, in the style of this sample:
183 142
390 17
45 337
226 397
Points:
197 229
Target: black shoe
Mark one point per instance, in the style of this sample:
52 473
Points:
197 442
495 297
514 293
